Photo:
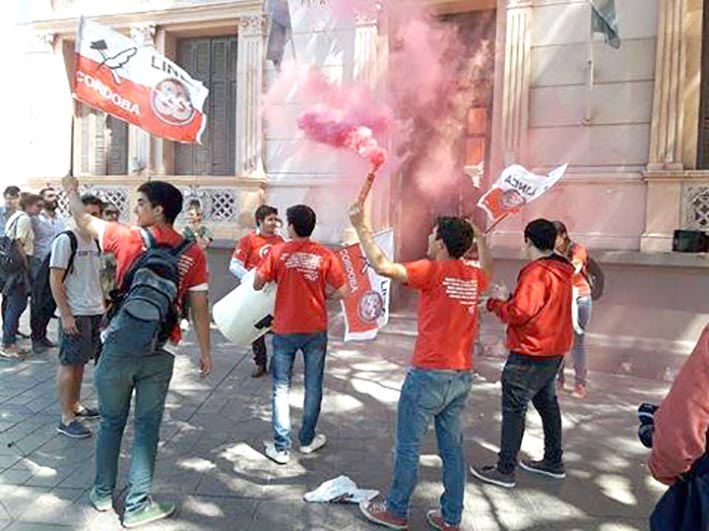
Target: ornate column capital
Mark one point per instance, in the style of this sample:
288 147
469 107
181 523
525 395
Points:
252 24
517 4
143 34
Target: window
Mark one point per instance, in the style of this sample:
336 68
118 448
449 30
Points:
703 142
101 142
211 60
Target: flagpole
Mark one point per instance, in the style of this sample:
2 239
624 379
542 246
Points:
588 113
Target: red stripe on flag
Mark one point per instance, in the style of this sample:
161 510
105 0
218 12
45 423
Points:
96 86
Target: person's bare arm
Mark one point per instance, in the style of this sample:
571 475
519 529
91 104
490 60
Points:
337 294
376 257
56 283
199 303
259 282
484 253
84 221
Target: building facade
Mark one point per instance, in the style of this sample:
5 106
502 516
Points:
632 122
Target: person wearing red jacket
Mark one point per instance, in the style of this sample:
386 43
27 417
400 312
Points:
682 421
539 334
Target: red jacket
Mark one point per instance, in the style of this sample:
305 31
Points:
538 315
682 422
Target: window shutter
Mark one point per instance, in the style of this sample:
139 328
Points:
212 61
117 146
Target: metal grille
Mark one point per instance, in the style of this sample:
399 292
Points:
219 205
116 195
697 207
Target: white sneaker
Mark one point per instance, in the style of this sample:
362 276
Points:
280 457
318 442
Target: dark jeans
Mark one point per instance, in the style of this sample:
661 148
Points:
260 354
39 317
285 347
438 396
117 378
526 378
14 303
584 306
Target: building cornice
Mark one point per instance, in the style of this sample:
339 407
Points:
162 17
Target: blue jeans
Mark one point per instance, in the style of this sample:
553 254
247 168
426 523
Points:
14 303
526 378
439 396
584 306
115 378
285 347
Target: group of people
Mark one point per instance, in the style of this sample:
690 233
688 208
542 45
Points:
545 317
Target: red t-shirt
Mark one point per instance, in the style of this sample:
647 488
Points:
579 258
448 312
302 270
253 247
126 244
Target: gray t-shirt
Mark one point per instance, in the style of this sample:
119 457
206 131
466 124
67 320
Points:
83 283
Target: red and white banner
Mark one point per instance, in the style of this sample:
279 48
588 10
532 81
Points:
516 187
136 84
366 306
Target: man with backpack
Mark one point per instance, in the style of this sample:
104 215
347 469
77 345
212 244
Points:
539 334
75 280
306 273
156 271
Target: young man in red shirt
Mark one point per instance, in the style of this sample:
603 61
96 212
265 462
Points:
249 253
117 375
539 334
306 274
439 378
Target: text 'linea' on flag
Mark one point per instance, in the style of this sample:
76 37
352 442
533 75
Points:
516 187
135 83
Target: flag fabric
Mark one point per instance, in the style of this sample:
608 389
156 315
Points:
516 187
135 83
280 30
366 306
604 20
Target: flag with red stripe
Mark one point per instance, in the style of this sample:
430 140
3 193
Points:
135 83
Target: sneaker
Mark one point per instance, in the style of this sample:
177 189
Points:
259 370
436 521
151 512
75 430
376 512
318 442
280 457
87 413
544 468
491 474
39 348
46 342
100 503
11 352
580 391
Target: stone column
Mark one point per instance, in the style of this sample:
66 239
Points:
249 88
139 160
516 76
668 105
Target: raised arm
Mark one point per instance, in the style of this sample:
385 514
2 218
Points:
84 221
484 253
376 257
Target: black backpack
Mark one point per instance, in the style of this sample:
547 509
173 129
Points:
595 277
144 310
11 260
41 289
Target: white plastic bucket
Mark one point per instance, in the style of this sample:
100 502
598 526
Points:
237 314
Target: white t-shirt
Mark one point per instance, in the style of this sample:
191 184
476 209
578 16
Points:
83 283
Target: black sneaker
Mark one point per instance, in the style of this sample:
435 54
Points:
544 467
87 413
490 474
75 430
45 341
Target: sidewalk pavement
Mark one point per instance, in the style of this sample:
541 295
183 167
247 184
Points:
210 461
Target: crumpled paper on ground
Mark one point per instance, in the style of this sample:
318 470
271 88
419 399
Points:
339 490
